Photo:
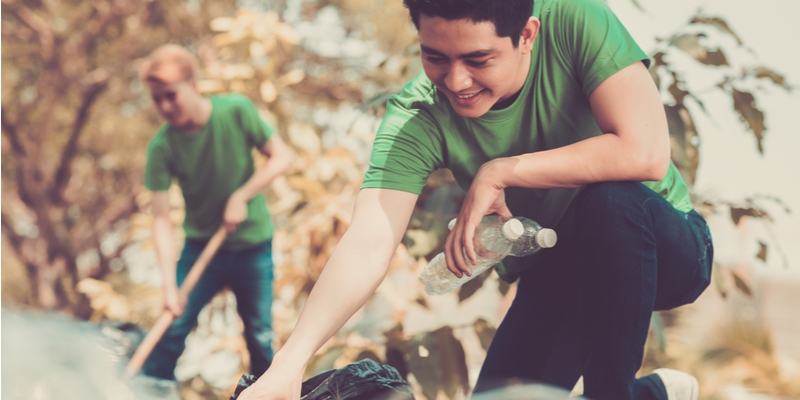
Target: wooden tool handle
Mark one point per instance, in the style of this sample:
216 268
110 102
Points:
166 318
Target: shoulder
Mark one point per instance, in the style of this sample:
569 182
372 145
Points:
231 101
570 10
159 140
418 96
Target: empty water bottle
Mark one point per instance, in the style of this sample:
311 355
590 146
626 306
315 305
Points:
493 241
533 238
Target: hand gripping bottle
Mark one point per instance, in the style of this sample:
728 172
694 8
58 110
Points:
494 239
533 238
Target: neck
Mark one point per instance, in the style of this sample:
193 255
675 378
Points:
519 83
200 115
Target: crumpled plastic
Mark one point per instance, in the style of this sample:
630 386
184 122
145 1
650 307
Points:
362 380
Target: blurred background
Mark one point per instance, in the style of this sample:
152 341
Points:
78 257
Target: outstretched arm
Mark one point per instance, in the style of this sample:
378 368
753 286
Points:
280 157
353 272
635 147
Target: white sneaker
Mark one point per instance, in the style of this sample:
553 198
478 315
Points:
680 385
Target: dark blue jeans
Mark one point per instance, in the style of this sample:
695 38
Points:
248 273
584 306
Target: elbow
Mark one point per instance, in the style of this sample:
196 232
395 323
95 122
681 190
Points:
655 165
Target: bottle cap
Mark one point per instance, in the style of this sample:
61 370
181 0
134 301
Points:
546 238
513 229
451 224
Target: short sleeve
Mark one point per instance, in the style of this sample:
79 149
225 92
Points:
255 128
157 176
595 41
406 149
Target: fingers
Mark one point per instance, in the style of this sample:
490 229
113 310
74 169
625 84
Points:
231 227
469 242
455 249
174 308
505 212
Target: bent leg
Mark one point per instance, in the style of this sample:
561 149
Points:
636 253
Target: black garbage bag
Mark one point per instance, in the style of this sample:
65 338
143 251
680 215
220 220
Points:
362 380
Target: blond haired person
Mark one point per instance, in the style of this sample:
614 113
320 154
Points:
206 144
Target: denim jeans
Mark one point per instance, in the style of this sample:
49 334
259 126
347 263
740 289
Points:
584 306
248 273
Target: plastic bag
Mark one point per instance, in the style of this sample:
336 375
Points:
363 380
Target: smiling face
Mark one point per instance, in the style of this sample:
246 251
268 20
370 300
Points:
471 65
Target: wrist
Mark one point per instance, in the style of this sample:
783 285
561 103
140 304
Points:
240 196
286 361
499 171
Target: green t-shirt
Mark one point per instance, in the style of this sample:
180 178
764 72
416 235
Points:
580 44
210 165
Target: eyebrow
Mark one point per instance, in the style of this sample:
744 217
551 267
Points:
472 54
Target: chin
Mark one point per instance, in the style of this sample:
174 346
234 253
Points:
470 112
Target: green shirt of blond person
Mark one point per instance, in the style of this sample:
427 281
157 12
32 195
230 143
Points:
207 145
544 109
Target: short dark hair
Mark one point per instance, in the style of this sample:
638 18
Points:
508 16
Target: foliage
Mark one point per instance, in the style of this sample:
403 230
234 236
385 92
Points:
68 120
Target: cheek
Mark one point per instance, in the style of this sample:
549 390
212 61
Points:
434 72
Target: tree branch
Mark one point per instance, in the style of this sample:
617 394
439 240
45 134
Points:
14 238
38 24
64 170
96 26
11 133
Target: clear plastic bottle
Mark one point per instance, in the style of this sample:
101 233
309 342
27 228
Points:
494 239
533 238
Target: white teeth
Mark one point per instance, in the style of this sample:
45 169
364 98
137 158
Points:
467 96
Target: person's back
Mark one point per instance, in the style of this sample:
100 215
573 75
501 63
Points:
206 145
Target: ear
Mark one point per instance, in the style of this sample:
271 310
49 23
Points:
529 33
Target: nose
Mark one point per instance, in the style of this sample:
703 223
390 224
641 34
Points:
458 78
164 105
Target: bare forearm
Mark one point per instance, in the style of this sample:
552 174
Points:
353 272
351 275
165 250
598 159
263 176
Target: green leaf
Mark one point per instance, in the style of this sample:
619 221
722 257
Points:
719 23
690 44
745 104
762 252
